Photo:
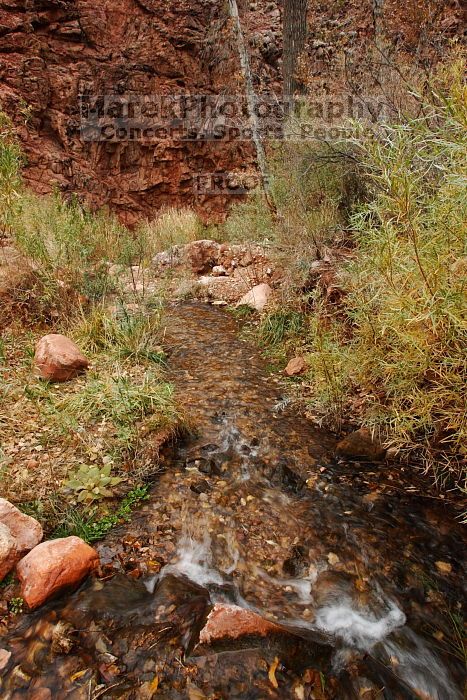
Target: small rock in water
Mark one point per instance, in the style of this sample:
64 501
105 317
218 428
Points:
295 366
257 298
53 566
57 358
62 642
361 445
200 487
231 622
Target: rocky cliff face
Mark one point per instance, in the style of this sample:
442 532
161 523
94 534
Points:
53 51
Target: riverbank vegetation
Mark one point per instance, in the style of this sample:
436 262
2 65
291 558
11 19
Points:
68 450
371 235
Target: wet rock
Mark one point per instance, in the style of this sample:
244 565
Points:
200 487
295 366
54 566
62 642
257 298
8 551
361 445
283 475
181 604
26 531
232 622
58 358
295 564
203 464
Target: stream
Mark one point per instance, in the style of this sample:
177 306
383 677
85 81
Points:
361 572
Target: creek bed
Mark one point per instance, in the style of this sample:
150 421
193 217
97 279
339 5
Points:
255 510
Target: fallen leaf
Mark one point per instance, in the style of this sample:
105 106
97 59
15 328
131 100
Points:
195 693
272 672
77 675
333 559
443 566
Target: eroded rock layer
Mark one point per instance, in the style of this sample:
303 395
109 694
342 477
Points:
53 51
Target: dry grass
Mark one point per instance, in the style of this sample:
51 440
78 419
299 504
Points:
171 227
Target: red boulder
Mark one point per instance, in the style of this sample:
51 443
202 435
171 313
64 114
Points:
58 358
54 566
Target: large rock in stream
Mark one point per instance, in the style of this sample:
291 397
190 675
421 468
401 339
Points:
54 566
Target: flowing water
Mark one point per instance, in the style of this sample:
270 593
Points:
256 511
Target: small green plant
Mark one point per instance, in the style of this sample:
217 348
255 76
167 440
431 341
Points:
8 580
92 528
92 483
16 605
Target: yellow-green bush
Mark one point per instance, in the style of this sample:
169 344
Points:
399 338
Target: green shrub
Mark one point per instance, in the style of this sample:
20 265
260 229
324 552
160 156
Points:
279 325
71 248
114 396
398 341
313 187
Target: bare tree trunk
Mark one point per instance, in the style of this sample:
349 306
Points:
295 33
250 98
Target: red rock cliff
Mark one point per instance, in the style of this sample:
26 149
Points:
52 51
